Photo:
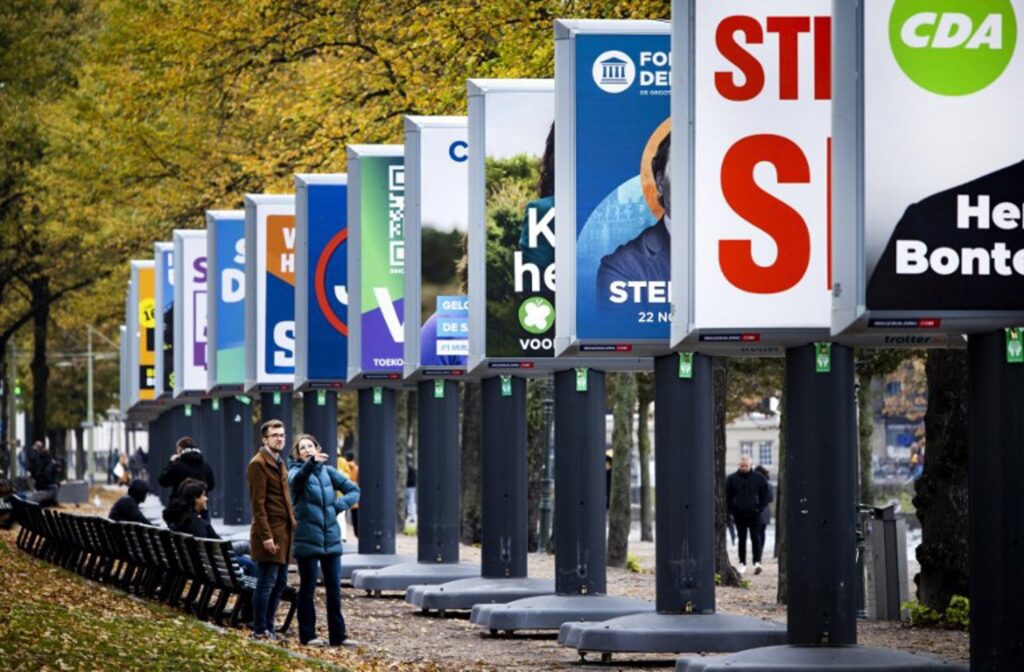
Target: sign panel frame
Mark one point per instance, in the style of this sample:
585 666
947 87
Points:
141 358
364 177
867 77
634 202
740 338
163 260
259 209
321 244
509 100
428 175
191 294
225 321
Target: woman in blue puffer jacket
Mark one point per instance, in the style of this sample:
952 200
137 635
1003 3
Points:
317 539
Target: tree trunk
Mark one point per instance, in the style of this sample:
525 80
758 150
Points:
865 425
79 453
40 290
941 492
9 457
472 473
536 453
727 575
404 411
781 541
643 436
619 506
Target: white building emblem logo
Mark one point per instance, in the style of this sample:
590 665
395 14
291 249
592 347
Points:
614 72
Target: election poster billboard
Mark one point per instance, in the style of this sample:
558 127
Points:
124 369
225 325
613 133
752 235
511 253
376 263
141 318
163 260
321 281
929 167
270 292
436 220
190 296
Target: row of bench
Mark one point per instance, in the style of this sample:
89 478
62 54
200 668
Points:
198 575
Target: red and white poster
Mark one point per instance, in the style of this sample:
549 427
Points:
761 111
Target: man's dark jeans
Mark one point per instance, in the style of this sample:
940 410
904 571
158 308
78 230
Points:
748 522
271 580
330 565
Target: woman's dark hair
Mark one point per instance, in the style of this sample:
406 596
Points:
182 507
546 182
761 470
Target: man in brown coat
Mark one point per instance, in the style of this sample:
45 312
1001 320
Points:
273 522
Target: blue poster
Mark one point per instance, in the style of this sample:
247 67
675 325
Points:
622 187
165 276
327 280
229 265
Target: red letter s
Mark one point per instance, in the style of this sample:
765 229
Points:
778 220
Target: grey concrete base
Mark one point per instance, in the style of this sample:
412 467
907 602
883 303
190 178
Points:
400 577
466 593
356 561
672 633
815 658
549 612
348 548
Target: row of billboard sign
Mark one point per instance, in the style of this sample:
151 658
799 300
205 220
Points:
851 173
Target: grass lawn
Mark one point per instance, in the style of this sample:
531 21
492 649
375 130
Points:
51 619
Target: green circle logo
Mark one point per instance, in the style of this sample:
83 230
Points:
953 47
536 315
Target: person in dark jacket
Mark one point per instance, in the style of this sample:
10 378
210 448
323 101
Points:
45 474
746 495
648 256
765 516
186 463
185 514
317 539
127 507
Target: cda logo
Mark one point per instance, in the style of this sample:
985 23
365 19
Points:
953 47
613 72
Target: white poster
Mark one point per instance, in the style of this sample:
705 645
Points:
761 118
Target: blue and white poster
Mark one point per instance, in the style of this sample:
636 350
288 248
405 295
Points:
436 220
321 281
270 292
621 187
225 250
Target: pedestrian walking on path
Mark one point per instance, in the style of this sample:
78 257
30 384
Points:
746 495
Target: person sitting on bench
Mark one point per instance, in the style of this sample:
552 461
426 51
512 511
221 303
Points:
127 508
185 514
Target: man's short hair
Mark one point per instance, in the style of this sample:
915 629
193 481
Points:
660 159
270 424
185 443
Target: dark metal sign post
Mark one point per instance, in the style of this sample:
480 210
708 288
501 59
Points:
685 619
438 502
